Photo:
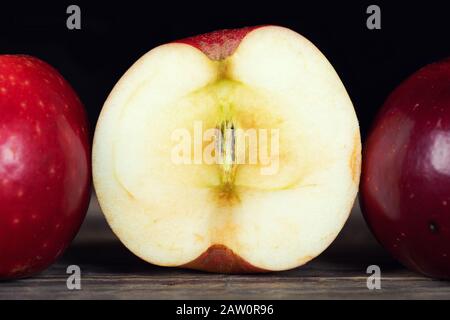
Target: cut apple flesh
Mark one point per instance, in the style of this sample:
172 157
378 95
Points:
271 212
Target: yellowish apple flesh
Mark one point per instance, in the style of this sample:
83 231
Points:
229 216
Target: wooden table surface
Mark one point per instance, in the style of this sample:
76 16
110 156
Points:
110 271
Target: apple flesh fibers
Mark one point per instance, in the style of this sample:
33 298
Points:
44 165
228 216
405 185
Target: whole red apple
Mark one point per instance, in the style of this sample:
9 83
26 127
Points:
44 165
405 184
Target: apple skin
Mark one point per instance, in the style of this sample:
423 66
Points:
218 45
220 259
405 185
45 172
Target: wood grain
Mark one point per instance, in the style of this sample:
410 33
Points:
110 271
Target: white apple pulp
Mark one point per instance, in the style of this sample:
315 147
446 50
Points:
170 213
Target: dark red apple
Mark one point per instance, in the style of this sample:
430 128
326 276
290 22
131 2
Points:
44 165
405 183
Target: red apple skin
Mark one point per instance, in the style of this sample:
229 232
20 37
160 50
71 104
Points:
45 172
405 185
219 45
220 259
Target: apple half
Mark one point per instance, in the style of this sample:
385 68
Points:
228 216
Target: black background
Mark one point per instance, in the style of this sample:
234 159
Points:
371 63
